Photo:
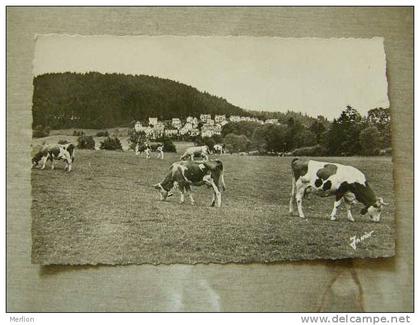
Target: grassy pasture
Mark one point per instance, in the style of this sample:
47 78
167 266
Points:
106 211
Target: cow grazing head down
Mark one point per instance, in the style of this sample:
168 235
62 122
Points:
346 183
184 174
165 187
374 211
64 152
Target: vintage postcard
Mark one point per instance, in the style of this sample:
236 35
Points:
197 149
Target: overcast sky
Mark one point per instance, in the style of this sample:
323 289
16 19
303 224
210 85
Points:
313 76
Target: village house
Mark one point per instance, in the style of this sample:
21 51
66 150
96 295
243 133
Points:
194 132
153 121
169 132
205 117
176 123
234 118
272 121
219 118
138 127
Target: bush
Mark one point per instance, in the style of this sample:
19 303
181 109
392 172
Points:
111 144
86 142
168 145
39 131
236 143
209 142
78 133
102 134
317 150
135 138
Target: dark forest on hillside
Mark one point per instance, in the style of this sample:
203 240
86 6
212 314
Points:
96 100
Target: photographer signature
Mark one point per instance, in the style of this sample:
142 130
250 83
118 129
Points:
356 240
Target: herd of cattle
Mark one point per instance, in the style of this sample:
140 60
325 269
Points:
346 183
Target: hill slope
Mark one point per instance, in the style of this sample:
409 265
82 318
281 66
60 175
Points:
95 100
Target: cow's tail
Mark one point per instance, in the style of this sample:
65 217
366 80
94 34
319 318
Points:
220 180
181 170
293 192
71 150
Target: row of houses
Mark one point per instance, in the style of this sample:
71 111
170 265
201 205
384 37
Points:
205 125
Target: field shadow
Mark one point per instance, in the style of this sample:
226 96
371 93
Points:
357 264
53 269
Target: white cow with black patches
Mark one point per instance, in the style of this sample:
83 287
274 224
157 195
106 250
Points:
65 152
200 151
184 174
347 183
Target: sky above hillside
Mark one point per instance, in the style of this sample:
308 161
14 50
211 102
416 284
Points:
313 76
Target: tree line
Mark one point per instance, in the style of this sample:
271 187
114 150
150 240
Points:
349 134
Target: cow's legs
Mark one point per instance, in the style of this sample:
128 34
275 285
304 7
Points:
337 203
136 149
348 208
213 200
43 161
188 190
300 192
217 196
292 195
53 164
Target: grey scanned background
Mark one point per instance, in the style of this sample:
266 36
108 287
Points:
346 285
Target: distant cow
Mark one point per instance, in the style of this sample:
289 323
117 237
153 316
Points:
184 174
191 152
347 183
218 148
63 152
148 147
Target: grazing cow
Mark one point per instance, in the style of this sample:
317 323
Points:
347 183
184 174
191 152
218 148
55 152
148 147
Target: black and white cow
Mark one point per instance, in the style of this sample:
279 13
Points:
149 147
63 152
219 148
184 174
347 183
201 151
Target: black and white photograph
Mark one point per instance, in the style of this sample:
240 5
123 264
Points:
190 149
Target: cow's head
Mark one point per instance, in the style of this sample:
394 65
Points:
163 193
374 211
164 189
37 158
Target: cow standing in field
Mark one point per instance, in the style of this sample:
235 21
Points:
63 152
347 183
201 151
184 174
149 147
218 148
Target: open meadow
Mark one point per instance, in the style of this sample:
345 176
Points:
107 211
